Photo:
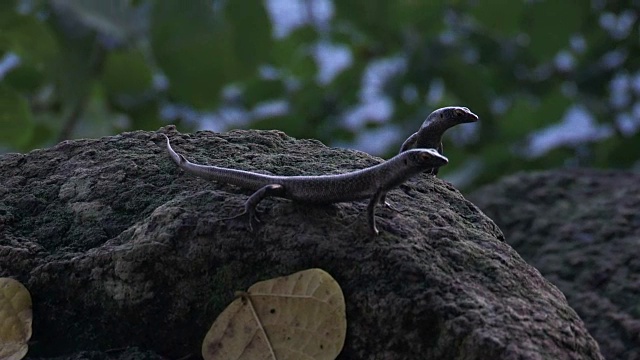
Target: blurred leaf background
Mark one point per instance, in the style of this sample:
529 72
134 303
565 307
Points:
555 83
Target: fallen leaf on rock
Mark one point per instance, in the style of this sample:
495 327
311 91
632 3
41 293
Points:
299 316
15 319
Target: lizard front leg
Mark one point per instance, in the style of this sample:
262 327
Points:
253 201
434 171
371 211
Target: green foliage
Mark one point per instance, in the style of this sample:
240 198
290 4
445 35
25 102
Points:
202 49
93 67
126 73
506 25
550 24
15 118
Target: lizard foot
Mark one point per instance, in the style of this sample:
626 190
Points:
374 231
253 221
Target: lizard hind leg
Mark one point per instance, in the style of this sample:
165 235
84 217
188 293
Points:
250 211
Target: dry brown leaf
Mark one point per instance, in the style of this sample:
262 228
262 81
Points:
15 319
300 316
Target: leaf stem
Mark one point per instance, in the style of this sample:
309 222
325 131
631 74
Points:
247 297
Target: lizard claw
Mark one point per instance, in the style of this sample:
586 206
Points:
383 201
389 206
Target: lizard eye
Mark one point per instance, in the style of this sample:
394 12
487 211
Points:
459 112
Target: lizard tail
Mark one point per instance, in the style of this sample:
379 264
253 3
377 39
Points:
177 158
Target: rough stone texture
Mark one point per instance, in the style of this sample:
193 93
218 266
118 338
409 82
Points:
581 229
120 249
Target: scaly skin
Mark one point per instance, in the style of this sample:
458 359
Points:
429 136
370 183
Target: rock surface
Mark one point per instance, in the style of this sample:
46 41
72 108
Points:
125 256
581 229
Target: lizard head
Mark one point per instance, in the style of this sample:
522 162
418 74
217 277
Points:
426 158
454 114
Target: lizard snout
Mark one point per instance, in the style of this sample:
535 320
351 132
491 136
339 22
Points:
431 158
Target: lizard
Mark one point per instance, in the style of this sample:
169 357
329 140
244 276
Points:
369 183
430 133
